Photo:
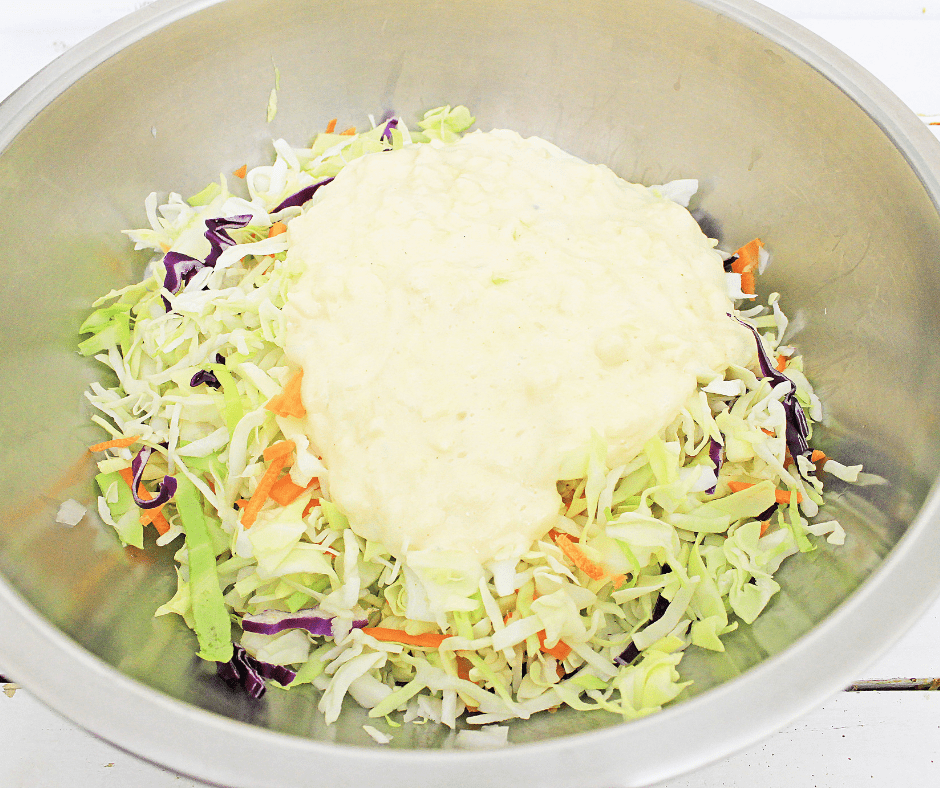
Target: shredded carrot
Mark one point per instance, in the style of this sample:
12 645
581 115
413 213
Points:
241 172
748 257
424 640
781 363
127 474
764 526
349 132
277 229
559 651
818 456
771 433
154 515
748 283
263 490
617 580
747 264
331 126
288 402
285 492
782 496
591 568
279 449
241 503
463 668
116 443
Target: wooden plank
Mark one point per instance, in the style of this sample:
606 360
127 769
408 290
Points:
42 749
877 739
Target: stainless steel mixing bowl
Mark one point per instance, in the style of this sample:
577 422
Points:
792 142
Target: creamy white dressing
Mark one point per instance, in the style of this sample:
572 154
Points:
471 312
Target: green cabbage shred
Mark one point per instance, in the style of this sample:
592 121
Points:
703 560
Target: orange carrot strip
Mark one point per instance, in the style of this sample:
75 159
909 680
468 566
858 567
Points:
288 402
785 496
764 526
425 640
349 132
560 650
241 172
747 264
279 449
591 568
154 515
314 502
463 668
128 476
818 456
263 490
748 257
782 496
285 492
781 363
277 229
116 443
331 126
748 283
241 503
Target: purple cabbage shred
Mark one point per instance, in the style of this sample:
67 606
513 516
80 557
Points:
207 377
626 657
180 268
299 198
315 625
631 652
717 457
243 670
797 426
218 237
387 131
769 512
166 490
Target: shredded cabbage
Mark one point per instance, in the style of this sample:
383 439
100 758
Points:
645 560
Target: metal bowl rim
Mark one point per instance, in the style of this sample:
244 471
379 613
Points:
250 754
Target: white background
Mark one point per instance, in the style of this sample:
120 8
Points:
879 739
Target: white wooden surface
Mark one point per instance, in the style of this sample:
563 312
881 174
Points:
879 739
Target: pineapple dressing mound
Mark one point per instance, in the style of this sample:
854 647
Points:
471 312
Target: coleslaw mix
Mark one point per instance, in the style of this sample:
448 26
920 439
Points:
674 549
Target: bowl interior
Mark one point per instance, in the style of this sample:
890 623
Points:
656 89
